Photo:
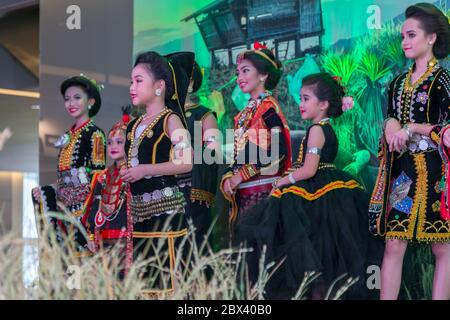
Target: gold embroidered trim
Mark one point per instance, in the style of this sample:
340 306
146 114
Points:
351 184
144 133
202 195
419 201
98 149
65 157
248 171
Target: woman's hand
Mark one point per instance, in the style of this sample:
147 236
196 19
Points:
231 184
227 187
91 246
132 174
280 183
36 194
392 126
123 170
235 181
399 141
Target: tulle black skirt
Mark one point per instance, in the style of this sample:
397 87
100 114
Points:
319 224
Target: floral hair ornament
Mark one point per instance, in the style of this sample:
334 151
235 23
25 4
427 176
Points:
257 49
99 87
337 79
121 126
347 101
258 45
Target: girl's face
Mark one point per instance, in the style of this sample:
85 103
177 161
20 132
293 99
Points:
76 102
143 86
116 145
415 42
248 78
310 106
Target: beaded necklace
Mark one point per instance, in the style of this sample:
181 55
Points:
65 157
408 89
245 119
133 151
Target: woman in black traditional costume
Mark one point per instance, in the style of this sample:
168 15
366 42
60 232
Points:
405 204
81 155
262 145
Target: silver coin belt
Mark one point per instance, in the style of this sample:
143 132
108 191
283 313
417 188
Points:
167 200
73 178
420 143
184 180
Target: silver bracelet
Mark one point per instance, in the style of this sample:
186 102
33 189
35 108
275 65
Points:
314 150
182 145
291 178
408 130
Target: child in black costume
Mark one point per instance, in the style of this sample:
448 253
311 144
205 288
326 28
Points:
316 218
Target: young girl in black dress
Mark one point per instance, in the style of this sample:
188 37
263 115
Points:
157 149
316 218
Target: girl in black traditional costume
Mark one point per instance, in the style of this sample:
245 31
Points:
316 216
157 149
105 212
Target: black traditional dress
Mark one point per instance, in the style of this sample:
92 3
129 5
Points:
406 203
254 160
318 224
155 202
82 153
200 185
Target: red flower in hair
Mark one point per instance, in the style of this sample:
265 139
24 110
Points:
258 45
336 78
125 118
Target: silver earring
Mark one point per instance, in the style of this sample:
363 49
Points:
158 92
